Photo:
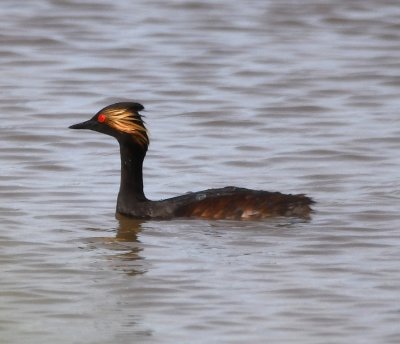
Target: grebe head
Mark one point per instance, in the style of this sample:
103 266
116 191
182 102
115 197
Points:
120 120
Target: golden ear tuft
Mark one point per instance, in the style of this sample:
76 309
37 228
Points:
127 121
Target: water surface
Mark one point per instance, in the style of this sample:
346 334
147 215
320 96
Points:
298 98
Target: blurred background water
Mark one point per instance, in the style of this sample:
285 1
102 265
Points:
290 96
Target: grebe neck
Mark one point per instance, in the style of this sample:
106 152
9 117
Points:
131 187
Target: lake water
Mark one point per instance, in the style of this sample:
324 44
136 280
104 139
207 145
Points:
290 96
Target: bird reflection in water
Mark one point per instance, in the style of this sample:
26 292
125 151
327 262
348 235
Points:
129 259
124 249
128 228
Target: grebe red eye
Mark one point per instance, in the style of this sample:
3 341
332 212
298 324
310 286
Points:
101 118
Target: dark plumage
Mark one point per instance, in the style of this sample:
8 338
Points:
123 121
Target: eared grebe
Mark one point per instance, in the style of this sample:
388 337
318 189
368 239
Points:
123 121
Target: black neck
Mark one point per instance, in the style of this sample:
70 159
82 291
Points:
131 188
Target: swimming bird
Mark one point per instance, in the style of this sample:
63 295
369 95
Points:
124 122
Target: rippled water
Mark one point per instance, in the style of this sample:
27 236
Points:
289 96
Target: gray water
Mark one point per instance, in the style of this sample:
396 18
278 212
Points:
290 96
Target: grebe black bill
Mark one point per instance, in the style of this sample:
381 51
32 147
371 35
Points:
123 121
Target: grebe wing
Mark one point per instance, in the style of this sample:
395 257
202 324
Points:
239 203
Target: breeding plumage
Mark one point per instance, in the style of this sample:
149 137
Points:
123 121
